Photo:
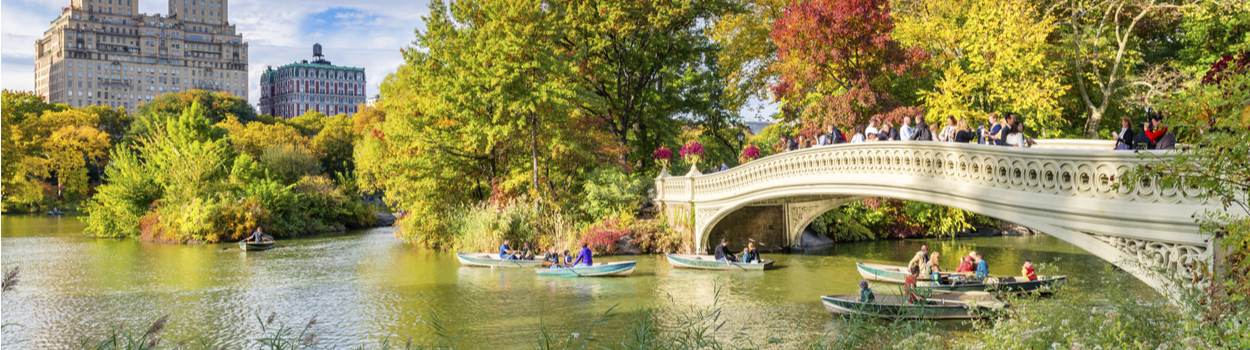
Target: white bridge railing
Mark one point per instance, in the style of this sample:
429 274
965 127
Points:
1079 171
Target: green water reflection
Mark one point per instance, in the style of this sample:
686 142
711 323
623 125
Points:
367 286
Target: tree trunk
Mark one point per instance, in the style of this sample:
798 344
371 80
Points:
1091 124
534 153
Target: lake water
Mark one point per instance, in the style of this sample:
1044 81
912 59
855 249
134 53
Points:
367 286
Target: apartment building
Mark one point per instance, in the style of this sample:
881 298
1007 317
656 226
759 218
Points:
295 88
105 52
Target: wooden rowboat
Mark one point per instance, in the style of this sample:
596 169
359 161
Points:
1043 284
255 246
709 262
937 307
493 260
886 273
619 268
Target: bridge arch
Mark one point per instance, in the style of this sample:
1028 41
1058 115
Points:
1069 193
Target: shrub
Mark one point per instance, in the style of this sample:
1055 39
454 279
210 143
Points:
604 236
654 236
289 162
483 227
610 192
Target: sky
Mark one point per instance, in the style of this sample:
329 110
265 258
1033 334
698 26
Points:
365 34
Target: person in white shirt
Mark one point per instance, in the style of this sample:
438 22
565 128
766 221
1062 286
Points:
859 135
872 128
905 131
948 132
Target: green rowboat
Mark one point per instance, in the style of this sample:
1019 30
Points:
619 268
709 262
938 307
493 260
886 273
1043 284
952 282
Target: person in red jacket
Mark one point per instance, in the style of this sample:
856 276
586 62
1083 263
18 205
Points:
965 265
1156 130
1028 271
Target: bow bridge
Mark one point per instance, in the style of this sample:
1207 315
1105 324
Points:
1064 188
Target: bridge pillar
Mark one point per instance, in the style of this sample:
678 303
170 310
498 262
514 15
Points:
800 214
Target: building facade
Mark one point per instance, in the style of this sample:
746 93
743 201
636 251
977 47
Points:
293 89
105 52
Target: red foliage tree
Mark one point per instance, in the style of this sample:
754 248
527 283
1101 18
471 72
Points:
837 58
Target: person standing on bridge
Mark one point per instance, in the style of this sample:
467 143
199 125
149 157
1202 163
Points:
871 131
723 253
1124 138
905 131
962 134
859 135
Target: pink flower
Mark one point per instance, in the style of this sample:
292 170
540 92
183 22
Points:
692 152
663 153
692 149
750 152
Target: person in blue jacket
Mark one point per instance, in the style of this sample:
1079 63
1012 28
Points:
983 268
584 255
505 252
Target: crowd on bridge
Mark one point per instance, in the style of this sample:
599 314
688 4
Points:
1004 131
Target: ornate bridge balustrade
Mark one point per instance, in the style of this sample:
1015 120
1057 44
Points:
1065 188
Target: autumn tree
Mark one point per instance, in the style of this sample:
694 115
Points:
991 56
51 151
746 54
838 60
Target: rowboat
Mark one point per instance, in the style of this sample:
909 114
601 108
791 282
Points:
959 283
937 307
886 273
709 262
493 260
255 246
1008 284
619 268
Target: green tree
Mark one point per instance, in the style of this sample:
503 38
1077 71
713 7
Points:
217 106
993 56
334 143
638 64
1104 45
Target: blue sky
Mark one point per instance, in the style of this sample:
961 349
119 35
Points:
365 34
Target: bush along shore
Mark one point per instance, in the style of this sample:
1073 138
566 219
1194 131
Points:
195 166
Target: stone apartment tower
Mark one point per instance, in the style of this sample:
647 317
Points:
104 52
